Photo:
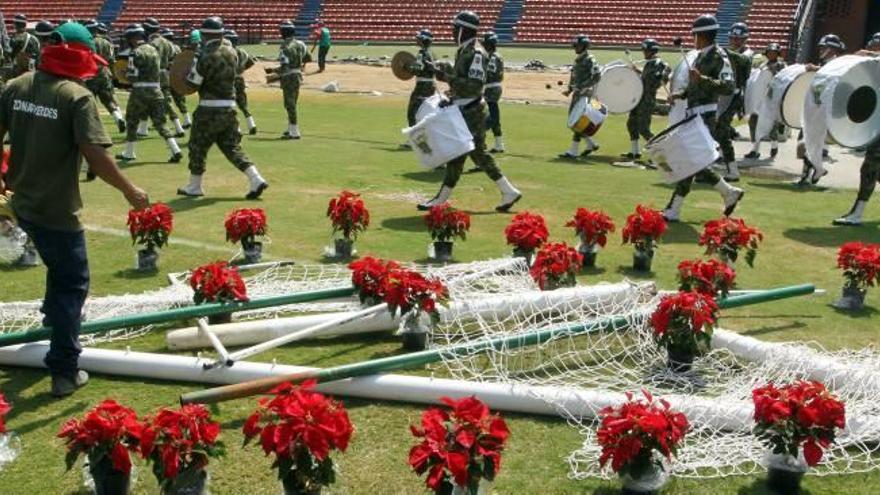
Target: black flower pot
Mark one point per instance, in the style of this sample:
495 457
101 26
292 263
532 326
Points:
292 487
630 491
589 258
852 299
679 362
109 481
414 341
253 252
642 260
147 260
526 254
442 251
784 482
343 248
188 483
220 319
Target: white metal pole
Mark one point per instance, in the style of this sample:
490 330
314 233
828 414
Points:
215 342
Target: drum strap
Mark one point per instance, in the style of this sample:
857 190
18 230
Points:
466 102
425 79
292 71
145 85
217 103
701 109
492 85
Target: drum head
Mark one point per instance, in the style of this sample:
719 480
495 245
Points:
400 65
792 109
120 71
619 88
669 130
855 106
178 72
756 90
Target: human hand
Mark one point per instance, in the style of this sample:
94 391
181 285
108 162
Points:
694 76
137 198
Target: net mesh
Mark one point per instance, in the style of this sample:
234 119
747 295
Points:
716 394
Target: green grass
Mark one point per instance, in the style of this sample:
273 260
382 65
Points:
351 142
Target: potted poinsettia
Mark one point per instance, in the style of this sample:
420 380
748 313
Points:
727 236
9 448
710 277
368 276
217 283
796 421
640 437
247 225
179 443
105 435
349 217
414 296
445 223
592 228
556 265
150 228
861 269
526 233
643 230
683 325
461 448
301 428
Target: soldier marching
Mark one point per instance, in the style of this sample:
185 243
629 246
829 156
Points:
655 73
585 74
293 57
245 62
423 68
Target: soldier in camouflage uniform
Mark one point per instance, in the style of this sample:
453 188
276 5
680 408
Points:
494 78
102 84
709 78
245 62
655 73
23 41
423 68
466 79
585 74
43 31
740 57
178 99
146 99
166 54
774 64
293 57
215 120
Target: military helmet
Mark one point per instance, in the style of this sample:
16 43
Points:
19 19
287 29
425 36
231 35
167 33
832 41
91 25
773 47
212 25
490 39
133 30
705 23
581 40
650 45
44 29
739 30
102 28
151 25
467 19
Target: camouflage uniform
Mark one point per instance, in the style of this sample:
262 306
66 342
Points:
466 81
425 85
294 55
28 43
166 54
493 90
585 74
714 82
146 99
102 84
742 69
655 73
215 120
178 99
245 62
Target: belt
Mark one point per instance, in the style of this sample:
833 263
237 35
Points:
153 85
217 103
292 71
425 79
492 85
701 109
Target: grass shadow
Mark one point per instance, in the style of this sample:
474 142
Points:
832 236
592 270
405 224
426 176
134 274
681 233
864 312
9 268
629 272
759 487
774 328
787 186
184 203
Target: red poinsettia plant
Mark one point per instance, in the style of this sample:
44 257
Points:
860 264
368 277
591 226
151 226
300 427
446 223
217 282
179 443
348 215
556 265
245 225
710 277
633 432
458 447
726 236
108 432
644 228
4 410
526 232
801 414
683 322
407 290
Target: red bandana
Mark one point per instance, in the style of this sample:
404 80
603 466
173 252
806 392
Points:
70 60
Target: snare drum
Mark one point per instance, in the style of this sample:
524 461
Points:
619 88
587 116
683 150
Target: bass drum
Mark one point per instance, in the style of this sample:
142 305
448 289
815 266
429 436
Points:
619 88
756 90
853 110
791 110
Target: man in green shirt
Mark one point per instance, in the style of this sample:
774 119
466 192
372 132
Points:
655 73
740 56
585 74
494 78
23 42
293 57
165 48
53 102
322 41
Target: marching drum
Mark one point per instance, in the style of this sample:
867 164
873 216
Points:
683 150
756 90
854 119
679 81
179 71
440 135
619 88
587 116
400 65
791 110
120 71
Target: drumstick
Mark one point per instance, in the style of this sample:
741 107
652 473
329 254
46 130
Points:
678 44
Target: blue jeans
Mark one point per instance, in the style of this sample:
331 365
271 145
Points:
67 285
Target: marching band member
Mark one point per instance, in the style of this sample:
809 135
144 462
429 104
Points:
293 57
655 74
494 77
23 41
102 84
423 68
245 62
178 99
710 76
740 57
774 64
585 74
